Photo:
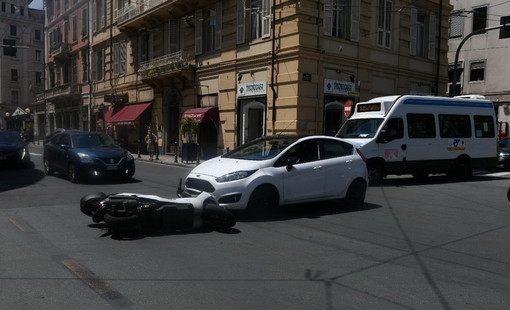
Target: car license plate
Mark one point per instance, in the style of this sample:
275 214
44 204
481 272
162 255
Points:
114 167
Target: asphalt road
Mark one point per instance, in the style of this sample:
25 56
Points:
431 245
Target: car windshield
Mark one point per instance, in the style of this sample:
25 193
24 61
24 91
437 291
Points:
9 136
360 128
92 140
261 149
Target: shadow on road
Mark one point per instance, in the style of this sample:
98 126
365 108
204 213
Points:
435 179
18 177
137 234
305 210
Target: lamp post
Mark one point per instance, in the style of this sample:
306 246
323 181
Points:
455 65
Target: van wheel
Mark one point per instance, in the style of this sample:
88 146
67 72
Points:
375 175
461 170
356 193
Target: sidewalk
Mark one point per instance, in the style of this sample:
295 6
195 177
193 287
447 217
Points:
167 160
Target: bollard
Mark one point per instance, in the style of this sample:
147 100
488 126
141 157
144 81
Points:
176 150
198 153
139 149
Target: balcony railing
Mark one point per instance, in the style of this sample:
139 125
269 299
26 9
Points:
63 90
166 64
131 11
60 49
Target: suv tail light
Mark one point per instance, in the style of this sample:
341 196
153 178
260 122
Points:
361 155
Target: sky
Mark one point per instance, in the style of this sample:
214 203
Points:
36 4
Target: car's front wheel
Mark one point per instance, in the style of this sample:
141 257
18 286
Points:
264 198
73 173
47 168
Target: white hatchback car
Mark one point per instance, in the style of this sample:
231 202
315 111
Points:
280 170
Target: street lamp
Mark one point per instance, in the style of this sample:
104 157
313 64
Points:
455 65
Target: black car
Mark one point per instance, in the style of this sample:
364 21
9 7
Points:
13 149
504 153
83 154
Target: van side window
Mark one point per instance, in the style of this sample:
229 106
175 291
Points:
454 126
421 125
393 129
484 126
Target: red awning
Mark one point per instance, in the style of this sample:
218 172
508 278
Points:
202 115
125 115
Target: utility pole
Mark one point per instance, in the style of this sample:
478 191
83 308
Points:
455 65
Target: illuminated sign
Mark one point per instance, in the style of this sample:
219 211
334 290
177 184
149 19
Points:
370 107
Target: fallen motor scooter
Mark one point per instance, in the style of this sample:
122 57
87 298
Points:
127 212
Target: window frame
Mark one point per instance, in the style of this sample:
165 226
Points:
476 72
384 23
480 18
422 123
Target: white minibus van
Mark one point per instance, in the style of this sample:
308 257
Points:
422 135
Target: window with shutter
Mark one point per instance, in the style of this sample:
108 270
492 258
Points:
198 32
217 33
241 20
173 30
384 21
457 24
355 20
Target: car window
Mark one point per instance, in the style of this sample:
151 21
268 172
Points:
306 151
8 136
332 149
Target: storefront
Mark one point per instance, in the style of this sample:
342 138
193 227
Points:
336 94
252 110
127 124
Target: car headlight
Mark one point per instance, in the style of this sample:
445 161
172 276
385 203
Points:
85 158
238 175
503 155
129 156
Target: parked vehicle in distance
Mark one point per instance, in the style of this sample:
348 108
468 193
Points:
13 149
281 170
83 154
504 153
422 135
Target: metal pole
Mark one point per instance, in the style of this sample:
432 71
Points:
455 65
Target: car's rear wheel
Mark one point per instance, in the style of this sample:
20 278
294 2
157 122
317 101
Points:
73 173
264 198
356 193
47 168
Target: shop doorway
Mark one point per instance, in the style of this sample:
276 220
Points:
252 117
333 117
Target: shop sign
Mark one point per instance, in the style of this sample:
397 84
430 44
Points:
252 89
124 98
338 87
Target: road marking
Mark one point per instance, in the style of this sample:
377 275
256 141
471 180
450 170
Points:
35 154
21 225
99 286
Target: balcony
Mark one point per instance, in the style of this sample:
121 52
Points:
63 92
171 64
60 50
136 15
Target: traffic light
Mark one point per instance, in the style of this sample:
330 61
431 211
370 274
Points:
10 47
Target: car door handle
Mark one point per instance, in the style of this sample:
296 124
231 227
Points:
348 161
317 168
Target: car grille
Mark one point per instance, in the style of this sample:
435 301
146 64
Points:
200 185
111 160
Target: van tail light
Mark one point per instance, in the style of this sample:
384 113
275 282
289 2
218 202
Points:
361 155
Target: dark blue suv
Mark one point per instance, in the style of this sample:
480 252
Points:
83 154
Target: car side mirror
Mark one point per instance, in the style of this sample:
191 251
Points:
291 161
382 137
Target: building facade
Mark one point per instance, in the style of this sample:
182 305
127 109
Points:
22 65
65 101
479 57
245 69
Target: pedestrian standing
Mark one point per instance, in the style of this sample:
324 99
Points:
150 140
